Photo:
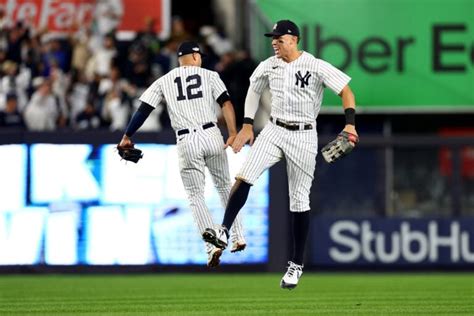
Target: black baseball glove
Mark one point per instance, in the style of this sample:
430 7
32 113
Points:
130 153
340 147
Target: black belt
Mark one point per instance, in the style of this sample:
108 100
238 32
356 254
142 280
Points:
186 131
291 127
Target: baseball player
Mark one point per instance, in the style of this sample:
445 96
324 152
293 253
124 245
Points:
190 93
296 80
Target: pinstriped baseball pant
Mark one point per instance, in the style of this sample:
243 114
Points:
196 150
299 148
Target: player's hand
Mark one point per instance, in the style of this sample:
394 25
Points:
230 141
349 128
125 142
245 135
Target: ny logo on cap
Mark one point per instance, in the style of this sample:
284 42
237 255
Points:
275 26
196 49
302 80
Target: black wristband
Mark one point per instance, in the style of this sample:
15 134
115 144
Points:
350 116
248 120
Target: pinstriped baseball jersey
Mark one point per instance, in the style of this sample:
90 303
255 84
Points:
297 87
190 93
297 91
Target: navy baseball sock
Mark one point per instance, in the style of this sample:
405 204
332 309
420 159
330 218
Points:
300 222
237 199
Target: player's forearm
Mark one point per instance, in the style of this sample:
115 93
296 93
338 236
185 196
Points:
251 105
348 98
348 103
138 119
229 117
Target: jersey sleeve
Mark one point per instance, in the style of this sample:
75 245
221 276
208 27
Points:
259 78
217 85
153 95
332 77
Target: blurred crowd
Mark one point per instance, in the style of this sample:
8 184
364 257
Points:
88 79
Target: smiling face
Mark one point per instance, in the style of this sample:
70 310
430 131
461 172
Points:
285 46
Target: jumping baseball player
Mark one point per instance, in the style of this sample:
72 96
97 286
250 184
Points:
296 80
190 93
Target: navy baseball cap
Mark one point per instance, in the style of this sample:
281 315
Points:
188 48
283 27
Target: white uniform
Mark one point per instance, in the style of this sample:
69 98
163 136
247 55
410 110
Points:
297 92
191 93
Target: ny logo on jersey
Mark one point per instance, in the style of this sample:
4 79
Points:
302 80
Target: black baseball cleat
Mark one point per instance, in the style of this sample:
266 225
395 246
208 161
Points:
217 237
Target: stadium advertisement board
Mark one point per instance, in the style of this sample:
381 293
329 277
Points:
392 242
402 55
65 15
79 204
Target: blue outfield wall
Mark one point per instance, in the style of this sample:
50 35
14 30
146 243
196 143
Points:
392 242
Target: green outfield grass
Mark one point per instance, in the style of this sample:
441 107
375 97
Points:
238 294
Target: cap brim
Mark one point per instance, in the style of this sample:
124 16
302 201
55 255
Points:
271 34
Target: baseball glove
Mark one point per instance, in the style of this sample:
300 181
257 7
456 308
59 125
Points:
340 147
130 153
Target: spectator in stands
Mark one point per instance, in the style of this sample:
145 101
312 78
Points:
16 36
88 118
101 61
15 81
179 33
137 68
11 117
32 54
60 84
148 38
78 94
43 111
5 25
54 53
235 70
117 94
166 59
219 43
107 18
81 51
5 22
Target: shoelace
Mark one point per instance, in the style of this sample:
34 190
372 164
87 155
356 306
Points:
224 232
292 268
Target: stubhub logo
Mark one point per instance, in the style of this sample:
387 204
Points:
356 241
